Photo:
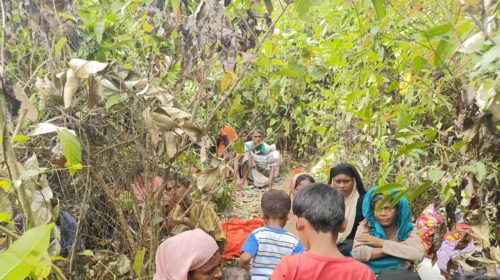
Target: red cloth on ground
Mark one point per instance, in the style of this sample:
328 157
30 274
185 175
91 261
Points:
308 266
237 231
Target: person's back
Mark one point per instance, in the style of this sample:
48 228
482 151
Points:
266 245
320 211
308 266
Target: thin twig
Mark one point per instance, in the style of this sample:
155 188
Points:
2 55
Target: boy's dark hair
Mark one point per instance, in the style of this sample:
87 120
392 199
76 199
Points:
235 273
321 205
275 204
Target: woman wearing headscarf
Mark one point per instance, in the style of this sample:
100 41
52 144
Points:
387 238
346 179
190 255
299 180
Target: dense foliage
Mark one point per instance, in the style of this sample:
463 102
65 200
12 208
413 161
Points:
405 90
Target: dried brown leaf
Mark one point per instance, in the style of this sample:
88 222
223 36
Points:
95 89
70 87
170 143
162 121
85 68
31 112
176 113
192 130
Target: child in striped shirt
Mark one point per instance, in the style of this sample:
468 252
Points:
265 246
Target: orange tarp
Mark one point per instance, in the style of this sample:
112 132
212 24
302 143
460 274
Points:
236 232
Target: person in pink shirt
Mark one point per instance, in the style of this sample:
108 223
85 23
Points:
320 218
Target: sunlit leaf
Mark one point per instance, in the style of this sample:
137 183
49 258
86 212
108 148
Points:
379 6
21 258
138 261
435 174
71 148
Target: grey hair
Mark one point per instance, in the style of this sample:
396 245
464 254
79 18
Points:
321 205
259 130
235 273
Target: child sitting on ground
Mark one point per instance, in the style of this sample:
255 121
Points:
235 273
266 245
320 211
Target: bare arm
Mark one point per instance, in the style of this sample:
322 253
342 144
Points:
245 260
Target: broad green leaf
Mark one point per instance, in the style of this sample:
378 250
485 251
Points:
99 31
71 148
112 101
430 134
138 262
437 30
239 146
175 4
21 258
410 147
68 16
457 146
419 190
59 45
379 6
387 187
435 174
418 64
442 50
303 7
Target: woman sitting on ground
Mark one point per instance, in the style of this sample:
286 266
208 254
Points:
299 181
190 255
346 179
260 163
387 238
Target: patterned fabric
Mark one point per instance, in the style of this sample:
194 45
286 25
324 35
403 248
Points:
202 214
429 222
267 246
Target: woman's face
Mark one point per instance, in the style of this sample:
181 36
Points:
302 184
386 216
344 183
209 271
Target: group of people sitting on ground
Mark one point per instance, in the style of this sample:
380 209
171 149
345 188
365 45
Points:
259 166
326 231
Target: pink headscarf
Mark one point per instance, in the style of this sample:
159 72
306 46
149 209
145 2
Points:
182 253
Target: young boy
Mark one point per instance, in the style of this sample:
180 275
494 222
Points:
320 212
235 273
266 245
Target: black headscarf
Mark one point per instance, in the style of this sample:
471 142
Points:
349 170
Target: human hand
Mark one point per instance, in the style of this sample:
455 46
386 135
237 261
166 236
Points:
367 239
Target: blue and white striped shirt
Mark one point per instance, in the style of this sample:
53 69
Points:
267 245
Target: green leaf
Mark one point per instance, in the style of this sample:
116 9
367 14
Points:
5 217
138 261
87 253
5 184
71 148
419 190
175 5
303 6
23 256
477 168
442 50
410 147
457 146
59 45
22 139
430 134
419 63
239 146
99 31
387 187
67 16
435 174
379 6
438 30
112 101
